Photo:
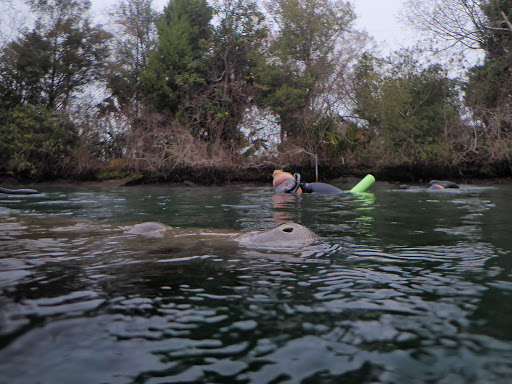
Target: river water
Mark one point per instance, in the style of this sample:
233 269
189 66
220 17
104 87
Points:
408 286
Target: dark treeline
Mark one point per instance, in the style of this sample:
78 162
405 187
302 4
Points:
229 89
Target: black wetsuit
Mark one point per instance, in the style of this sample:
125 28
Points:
321 188
438 184
292 185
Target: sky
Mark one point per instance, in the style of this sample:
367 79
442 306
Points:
377 17
380 19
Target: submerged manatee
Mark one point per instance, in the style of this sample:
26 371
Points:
149 229
284 236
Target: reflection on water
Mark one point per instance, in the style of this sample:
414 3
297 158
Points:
408 287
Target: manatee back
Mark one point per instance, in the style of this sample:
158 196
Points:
148 229
289 235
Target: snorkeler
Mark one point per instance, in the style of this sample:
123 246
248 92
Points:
436 185
285 182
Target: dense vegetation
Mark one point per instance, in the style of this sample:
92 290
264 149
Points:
230 89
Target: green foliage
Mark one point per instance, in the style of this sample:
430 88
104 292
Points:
203 63
281 90
135 24
176 67
306 61
489 84
40 73
488 89
35 144
409 111
114 169
23 68
202 73
47 65
309 29
235 49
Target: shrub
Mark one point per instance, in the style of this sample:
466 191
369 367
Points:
35 144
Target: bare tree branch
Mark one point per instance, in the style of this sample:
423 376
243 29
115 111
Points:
448 22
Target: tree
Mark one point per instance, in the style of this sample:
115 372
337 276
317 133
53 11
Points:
489 86
235 48
448 23
201 71
177 66
62 54
35 143
484 26
135 24
309 66
467 23
40 74
13 19
410 112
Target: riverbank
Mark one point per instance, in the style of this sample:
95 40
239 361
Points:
262 175
344 181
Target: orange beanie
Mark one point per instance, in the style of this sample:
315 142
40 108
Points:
279 176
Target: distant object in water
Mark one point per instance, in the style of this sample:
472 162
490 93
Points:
285 182
19 191
284 236
149 229
436 185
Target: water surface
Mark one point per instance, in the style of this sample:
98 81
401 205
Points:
408 287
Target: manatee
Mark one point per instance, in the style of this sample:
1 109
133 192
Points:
284 236
149 229
289 235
